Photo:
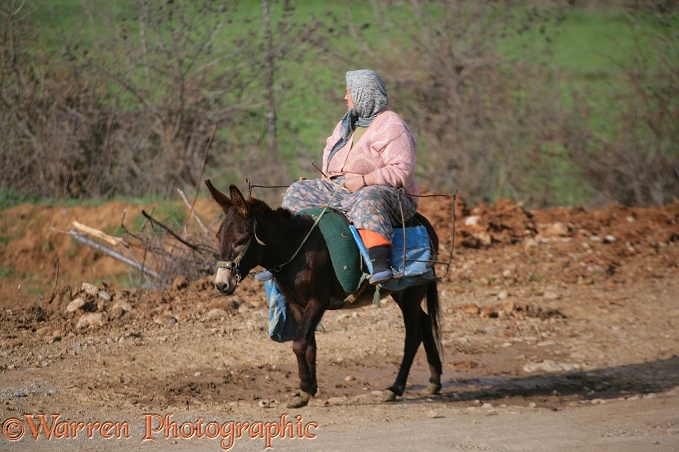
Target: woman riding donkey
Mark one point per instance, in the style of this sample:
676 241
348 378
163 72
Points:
367 160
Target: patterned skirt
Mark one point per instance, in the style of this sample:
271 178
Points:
376 208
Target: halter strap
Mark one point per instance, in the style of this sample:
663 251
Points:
234 264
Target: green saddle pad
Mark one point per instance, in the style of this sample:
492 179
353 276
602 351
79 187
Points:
344 253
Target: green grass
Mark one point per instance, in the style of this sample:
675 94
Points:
169 213
587 51
582 50
582 41
12 198
128 280
5 272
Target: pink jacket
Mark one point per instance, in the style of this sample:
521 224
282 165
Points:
386 151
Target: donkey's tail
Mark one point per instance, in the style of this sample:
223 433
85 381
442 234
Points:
434 310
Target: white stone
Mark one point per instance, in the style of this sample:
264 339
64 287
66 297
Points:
75 304
216 313
549 366
120 307
472 220
91 319
90 289
165 319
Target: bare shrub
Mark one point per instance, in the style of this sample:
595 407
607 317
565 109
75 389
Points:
175 81
638 164
49 122
130 111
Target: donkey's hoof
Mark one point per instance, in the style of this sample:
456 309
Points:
299 400
432 389
388 396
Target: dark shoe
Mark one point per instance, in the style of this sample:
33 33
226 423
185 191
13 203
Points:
380 256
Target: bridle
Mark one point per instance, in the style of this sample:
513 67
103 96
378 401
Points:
234 265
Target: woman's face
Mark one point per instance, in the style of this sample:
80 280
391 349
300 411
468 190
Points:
347 97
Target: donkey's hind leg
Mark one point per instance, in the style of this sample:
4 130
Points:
409 301
431 337
433 357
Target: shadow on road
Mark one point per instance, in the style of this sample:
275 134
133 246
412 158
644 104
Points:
605 383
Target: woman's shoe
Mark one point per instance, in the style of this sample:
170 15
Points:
380 256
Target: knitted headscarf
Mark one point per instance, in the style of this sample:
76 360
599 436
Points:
369 96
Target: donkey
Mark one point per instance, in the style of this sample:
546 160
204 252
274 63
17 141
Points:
253 234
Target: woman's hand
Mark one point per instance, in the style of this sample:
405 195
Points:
355 183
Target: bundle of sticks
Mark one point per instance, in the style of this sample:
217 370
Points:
157 253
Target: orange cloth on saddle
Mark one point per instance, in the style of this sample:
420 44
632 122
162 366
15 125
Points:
372 239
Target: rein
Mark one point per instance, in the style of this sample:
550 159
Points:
277 268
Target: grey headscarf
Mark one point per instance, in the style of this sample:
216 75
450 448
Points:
369 96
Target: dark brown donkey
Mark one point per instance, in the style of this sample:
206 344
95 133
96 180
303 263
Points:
253 234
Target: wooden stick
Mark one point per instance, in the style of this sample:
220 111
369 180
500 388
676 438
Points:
111 240
109 252
56 277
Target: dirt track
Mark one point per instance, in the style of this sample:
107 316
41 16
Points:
560 333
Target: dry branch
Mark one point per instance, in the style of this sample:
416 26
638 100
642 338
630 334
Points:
160 257
195 214
109 252
111 240
171 232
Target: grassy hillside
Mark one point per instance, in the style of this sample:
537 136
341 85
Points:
579 56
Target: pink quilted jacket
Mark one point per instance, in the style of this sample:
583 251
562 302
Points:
386 151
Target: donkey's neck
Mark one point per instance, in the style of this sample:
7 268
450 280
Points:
282 232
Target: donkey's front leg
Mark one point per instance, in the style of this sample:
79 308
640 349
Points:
304 346
305 350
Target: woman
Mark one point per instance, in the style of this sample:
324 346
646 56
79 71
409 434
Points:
368 158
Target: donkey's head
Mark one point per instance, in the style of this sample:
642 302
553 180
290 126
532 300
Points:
239 248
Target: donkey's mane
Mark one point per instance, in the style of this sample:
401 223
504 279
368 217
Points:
280 217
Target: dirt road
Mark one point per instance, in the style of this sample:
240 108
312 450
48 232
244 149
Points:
560 333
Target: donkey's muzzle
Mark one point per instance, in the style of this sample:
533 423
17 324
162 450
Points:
224 288
226 281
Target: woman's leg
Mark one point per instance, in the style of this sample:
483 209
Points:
309 193
378 208
374 210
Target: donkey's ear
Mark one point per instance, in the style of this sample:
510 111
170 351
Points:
223 200
238 201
